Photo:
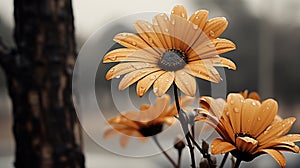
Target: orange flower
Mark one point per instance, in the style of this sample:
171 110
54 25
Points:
248 127
171 49
148 122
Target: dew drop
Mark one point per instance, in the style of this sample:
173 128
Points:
167 80
142 89
210 45
212 33
197 17
153 77
134 43
173 22
227 113
253 103
236 109
172 11
269 127
161 14
166 18
155 89
124 34
112 70
195 27
182 73
112 58
258 118
231 102
149 26
182 14
118 76
155 23
167 30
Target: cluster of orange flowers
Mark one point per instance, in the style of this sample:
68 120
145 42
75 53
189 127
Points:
173 50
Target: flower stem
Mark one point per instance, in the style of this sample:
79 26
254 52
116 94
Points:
165 153
237 163
224 160
184 122
179 158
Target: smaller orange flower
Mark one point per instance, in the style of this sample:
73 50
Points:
248 127
148 122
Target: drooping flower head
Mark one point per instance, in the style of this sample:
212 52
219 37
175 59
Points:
147 122
248 127
173 49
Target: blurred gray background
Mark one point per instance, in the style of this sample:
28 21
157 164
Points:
267 35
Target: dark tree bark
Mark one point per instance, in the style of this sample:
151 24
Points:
39 77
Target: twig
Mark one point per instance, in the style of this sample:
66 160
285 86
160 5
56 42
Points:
184 127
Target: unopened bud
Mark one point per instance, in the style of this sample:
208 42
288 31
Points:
179 143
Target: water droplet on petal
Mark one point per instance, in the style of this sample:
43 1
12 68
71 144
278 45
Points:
210 45
173 22
227 113
124 34
197 17
112 70
231 102
195 27
134 43
155 23
258 118
182 73
212 33
155 89
142 89
253 103
149 26
112 58
172 11
118 76
153 77
161 14
182 14
167 30
236 109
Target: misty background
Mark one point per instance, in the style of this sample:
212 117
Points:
267 35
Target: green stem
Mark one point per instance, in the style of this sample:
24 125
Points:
165 153
183 123
224 160
237 163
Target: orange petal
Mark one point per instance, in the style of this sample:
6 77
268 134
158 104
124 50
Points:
127 67
133 41
178 32
235 103
185 82
199 18
276 130
161 27
134 76
180 11
203 71
248 115
267 113
209 49
163 83
144 84
278 156
124 140
246 144
219 146
146 31
215 27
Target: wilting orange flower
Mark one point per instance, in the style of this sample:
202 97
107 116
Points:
148 122
248 127
171 49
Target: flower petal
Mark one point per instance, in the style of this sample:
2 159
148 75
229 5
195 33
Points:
203 71
178 32
180 11
276 130
163 83
210 48
133 41
185 82
146 31
278 156
161 25
235 103
215 27
267 113
144 84
248 115
246 144
134 76
124 140
127 67
199 18
220 146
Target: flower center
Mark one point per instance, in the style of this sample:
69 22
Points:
172 60
151 130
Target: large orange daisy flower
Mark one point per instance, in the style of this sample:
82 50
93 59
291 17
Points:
148 122
171 49
248 127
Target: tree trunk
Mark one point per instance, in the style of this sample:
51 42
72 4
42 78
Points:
39 77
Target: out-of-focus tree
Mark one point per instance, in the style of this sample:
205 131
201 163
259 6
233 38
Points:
39 75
